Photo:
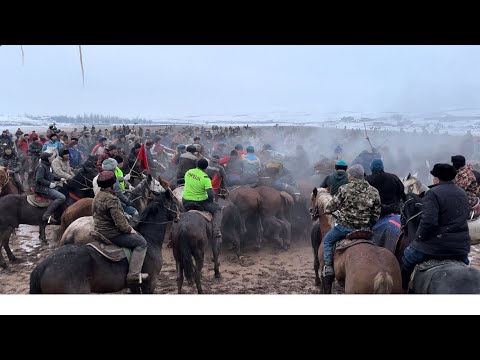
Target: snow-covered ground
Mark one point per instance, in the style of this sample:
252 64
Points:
453 121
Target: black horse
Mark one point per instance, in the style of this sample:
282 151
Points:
79 269
191 237
434 277
15 210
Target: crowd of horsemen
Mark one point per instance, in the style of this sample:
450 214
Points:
206 163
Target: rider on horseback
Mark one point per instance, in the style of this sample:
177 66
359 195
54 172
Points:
110 221
11 162
443 230
44 185
390 187
356 206
466 179
199 195
337 179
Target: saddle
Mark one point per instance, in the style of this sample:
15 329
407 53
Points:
107 249
424 272
475 213
344 244
361 234
38 201
207 216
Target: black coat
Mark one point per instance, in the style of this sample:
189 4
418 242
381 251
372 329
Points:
443 229
43 177
391 189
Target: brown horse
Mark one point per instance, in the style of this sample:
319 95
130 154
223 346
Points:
7 186
274 203
248 202
362 268
81 208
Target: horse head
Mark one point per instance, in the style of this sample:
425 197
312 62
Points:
413 185
313 208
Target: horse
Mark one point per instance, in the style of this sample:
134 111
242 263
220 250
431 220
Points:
78 269
361 267
248 201
274 203
415 187
140 197
191 236
6 185
434 277
16 210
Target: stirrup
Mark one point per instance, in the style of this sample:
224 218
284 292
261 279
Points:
330 272
141 277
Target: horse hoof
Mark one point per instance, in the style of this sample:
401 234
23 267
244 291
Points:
218 276
318 282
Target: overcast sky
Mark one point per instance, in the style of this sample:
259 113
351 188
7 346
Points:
159 81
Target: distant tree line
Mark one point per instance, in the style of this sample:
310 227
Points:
94 119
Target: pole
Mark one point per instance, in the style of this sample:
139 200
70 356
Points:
366 135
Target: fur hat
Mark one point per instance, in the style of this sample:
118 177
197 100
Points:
445 172
106 179
458 161
109 164
52 135
357 171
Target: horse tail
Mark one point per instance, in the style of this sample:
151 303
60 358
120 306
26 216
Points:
185 254
35 280
383 283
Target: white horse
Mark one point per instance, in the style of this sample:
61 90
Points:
415 186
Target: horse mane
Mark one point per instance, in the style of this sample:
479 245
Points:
323 199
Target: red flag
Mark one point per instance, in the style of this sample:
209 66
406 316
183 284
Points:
142 156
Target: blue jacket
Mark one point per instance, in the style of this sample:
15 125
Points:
56 145
251 164
75 157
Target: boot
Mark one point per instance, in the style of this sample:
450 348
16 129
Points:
217 225
328 271
48 216
135 277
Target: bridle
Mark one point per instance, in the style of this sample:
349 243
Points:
412 217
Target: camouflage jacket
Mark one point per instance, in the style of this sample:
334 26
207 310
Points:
467 181
356 205
108 216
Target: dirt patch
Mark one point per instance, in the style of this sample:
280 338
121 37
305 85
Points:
266 271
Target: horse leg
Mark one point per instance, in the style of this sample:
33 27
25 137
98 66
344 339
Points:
216 252
315 237
43 236
179 276
199 260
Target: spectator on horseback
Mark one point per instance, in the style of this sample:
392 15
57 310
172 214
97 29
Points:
44 185
466 179
180 150
234 169
389 186
340 177
199 194
122 179
11 162
241 153
365 159
443 231
356 206
23 144
127 206
110 152
282 179
251 167
123 145
220 150
61 165
110 221
53 146
188 161
35 150
5 138
75 155
217 174
100 148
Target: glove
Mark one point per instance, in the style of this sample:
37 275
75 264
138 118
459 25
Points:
131 188
52 186
63 180
127 177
